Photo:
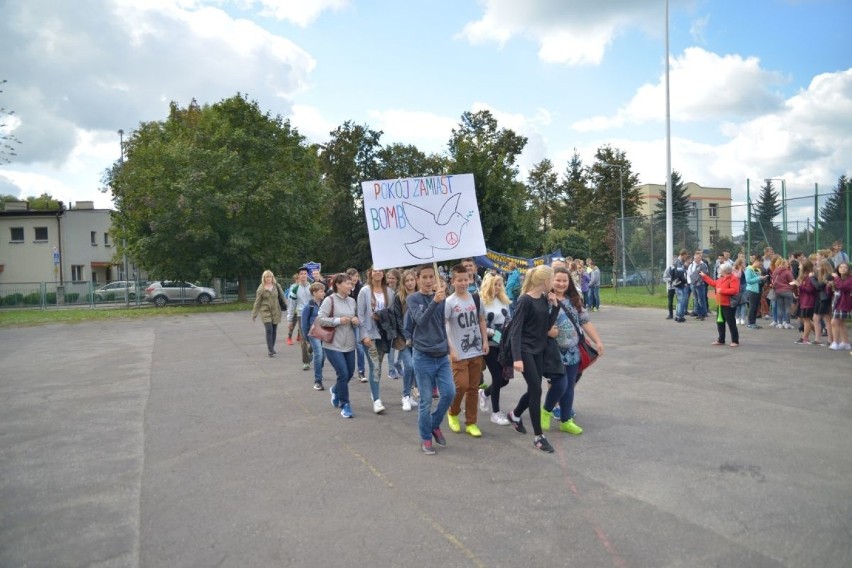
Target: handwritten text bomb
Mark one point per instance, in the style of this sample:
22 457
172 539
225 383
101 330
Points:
393 216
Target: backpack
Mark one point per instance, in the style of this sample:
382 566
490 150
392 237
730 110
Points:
504 357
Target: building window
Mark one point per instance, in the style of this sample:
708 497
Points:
714 210
77 272
714 237
693 209
17 234
106 239
41 234
94 238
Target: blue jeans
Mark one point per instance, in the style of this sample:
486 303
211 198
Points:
319 357
432 372
375 358
682 301
562 391
595 297
700 300
394 364
405 360
359 349
344 365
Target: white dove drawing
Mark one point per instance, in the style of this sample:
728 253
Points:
441 231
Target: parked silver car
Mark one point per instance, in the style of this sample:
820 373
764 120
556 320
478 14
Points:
120 290
164 291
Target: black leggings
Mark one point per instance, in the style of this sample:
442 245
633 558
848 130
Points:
671 297
533 366
497 380
271 334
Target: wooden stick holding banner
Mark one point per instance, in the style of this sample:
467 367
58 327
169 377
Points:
414 221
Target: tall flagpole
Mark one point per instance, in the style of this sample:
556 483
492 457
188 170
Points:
669 224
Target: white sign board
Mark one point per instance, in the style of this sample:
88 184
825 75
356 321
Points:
422 220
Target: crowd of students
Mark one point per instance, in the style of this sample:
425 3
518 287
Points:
815 290
440 336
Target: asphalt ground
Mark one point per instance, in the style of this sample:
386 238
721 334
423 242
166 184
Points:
177 442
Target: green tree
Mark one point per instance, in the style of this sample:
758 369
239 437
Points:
610 177
490 153
545 193
832 215
216 190
44 202
684 236
349 158
8 141
576 191
764 211
404 160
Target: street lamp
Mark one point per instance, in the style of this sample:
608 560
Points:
124 240
621 191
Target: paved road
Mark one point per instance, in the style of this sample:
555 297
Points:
178 442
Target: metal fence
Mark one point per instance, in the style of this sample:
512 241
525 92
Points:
114 294
639 253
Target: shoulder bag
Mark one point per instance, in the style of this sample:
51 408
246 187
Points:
324 334
588 354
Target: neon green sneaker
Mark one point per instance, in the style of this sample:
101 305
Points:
545 419
473 430
455 426
571 428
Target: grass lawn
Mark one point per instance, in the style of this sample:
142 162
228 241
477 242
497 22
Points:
634 296
18 317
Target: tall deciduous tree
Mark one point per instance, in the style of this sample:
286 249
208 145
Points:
545 193
490 153
349 158
765 210
216 190
610 177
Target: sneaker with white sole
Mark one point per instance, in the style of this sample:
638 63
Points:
406 404
834 346
483 400
346 411
500 419
378 407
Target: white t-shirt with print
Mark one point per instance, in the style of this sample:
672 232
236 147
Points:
463 330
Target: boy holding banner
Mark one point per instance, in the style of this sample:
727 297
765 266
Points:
430 350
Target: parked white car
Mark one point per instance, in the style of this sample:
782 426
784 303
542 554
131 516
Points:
163 292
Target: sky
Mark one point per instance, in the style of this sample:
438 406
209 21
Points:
759 88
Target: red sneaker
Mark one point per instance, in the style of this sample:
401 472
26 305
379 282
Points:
289 341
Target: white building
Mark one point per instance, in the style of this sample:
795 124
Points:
63 246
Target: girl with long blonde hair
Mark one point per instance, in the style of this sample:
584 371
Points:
533 321
495 305
266 304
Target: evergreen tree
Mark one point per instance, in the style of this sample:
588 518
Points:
832 215
683 235
764 211
577 194
545 192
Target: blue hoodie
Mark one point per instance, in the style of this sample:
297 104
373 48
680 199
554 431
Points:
430 333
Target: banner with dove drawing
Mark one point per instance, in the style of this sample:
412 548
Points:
422 219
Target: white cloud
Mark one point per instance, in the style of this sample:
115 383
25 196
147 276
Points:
704 86
299 12
574 33
807 140
428 131
311 123
696 30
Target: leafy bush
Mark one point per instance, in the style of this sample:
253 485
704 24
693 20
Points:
33 299
71 297
13 299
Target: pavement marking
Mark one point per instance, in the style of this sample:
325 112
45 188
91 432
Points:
375 471
617 560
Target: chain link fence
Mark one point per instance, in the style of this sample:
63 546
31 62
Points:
800 226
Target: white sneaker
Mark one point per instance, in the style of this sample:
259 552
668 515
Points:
500 418
845 346
835 346
773 324
378 407
483 400
406 404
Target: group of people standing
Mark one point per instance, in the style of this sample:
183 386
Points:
440 338
816 290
